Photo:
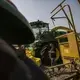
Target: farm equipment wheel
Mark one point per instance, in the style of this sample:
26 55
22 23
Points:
48 54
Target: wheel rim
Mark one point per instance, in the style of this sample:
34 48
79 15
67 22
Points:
45 54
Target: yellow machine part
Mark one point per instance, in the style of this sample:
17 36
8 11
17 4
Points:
29 54
69 50
61 28
56 28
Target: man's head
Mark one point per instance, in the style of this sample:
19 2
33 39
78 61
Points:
14 28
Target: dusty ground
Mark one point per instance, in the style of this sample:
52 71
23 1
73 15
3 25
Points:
54 75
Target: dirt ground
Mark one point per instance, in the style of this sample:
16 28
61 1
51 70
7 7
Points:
51 74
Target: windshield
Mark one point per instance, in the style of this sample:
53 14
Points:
39 27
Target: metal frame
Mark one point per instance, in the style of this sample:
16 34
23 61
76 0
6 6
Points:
70 22
72 67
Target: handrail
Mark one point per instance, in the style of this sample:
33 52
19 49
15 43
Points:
58 6
65 35
58 65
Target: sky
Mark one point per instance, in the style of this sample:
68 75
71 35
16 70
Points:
34 10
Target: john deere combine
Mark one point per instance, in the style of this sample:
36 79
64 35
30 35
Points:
46 43
49 46
68 46
46 46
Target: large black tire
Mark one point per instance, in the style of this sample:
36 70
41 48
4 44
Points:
43 53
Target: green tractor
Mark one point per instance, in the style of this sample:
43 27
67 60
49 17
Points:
45 45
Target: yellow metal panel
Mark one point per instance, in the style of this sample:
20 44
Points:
69 50
73 45
64 52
